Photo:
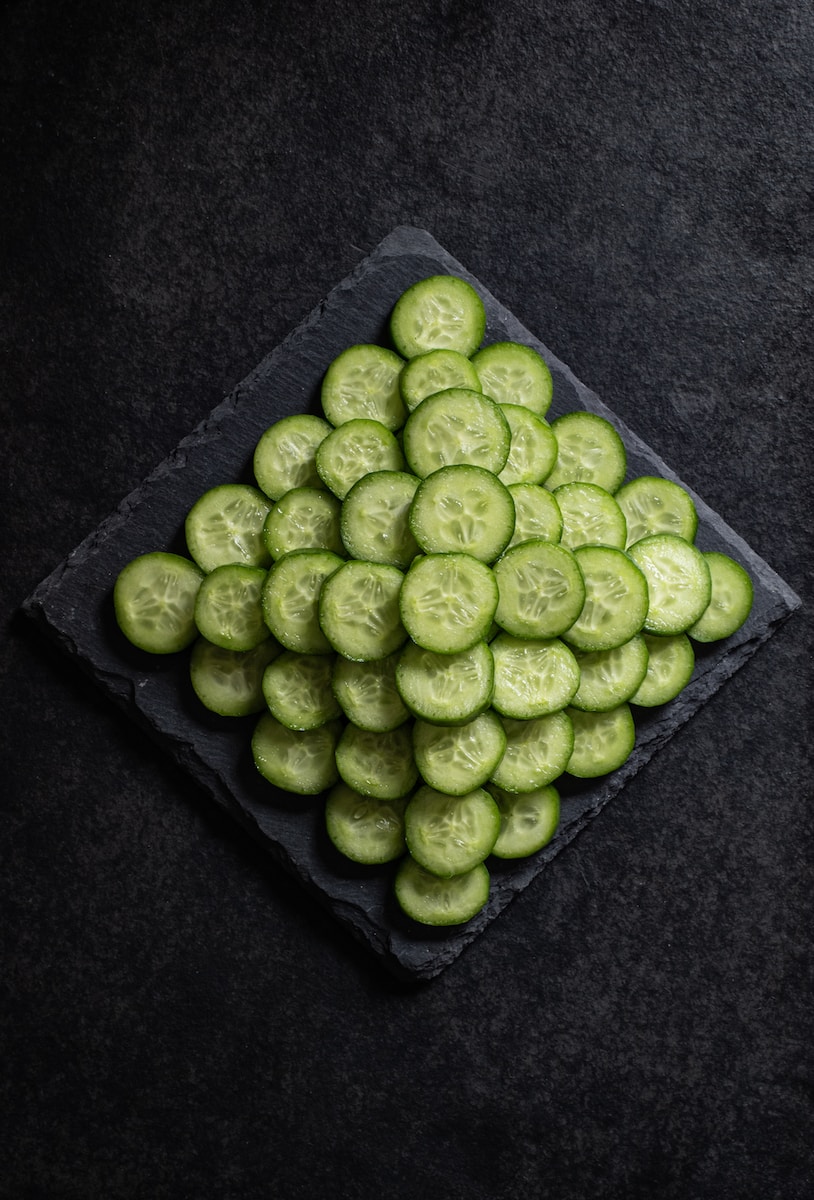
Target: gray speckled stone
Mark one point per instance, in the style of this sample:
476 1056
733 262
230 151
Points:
74 605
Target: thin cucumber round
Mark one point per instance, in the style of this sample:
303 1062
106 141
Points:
225 525
590 516
603 741
377 764
528 821
654 505
670 664
436 371
453 427
363 381
296 761
441 312
448 835
285 455
291 599
446 689
537 752
375 518
533 447
609 677
513 373
353 450
678 580
297 690
536 514
459 758
541 589
230 682
730 602
589 450
431 900
364 829
154 601
616 599
228 608
367 693
359 610
462 508
448 601
305 518
533 676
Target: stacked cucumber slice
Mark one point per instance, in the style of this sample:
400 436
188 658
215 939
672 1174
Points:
435 602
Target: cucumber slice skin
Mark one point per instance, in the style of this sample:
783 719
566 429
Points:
537 752
291 596
616 600
533 676
154 601
297 690
301 762
731 599
430 900
448 835
457 759
285 454
448 601
228 607
436 371
651 504
513 373
541 589
671 662
678 580
359 610
440 312
375 518
230 682
528 820
381 765
446 689
304 518
225 525
367 693
603 741
591 516
364 829
610 677
590 450
363 381
462 509
355 449
456 427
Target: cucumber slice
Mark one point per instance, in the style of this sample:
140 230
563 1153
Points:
678 580
537 752
154 601
230 682
375 520
456 427
355 449
528 821
291 599
363 381
730 601
536 514
436 371
459 758
285 454
448 601
442 312
367 693
225 525
512 373
533 447
377 764
228 608
431 900
654 505
364 829
359 610
589 450
299 761
448 835
670 664
609 677
590 516
297 690
533 676
305 518
541 589
446 689
616 599
463 508
603 741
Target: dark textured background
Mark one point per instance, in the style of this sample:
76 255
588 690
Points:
181 184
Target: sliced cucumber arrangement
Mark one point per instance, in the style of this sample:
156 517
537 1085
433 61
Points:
433 604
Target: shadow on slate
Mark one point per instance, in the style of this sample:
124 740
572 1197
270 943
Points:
74 605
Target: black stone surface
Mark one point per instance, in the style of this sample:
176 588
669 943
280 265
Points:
180 184
74 605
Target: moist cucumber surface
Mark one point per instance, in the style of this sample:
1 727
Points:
154 601
285 454
441 312
455 427
462 508
363 381
431 900
225 525
528 820
512 373
448 835
678 578
364 829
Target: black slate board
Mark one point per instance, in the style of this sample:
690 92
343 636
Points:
74 606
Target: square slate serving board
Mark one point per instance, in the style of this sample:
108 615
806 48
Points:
74 606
